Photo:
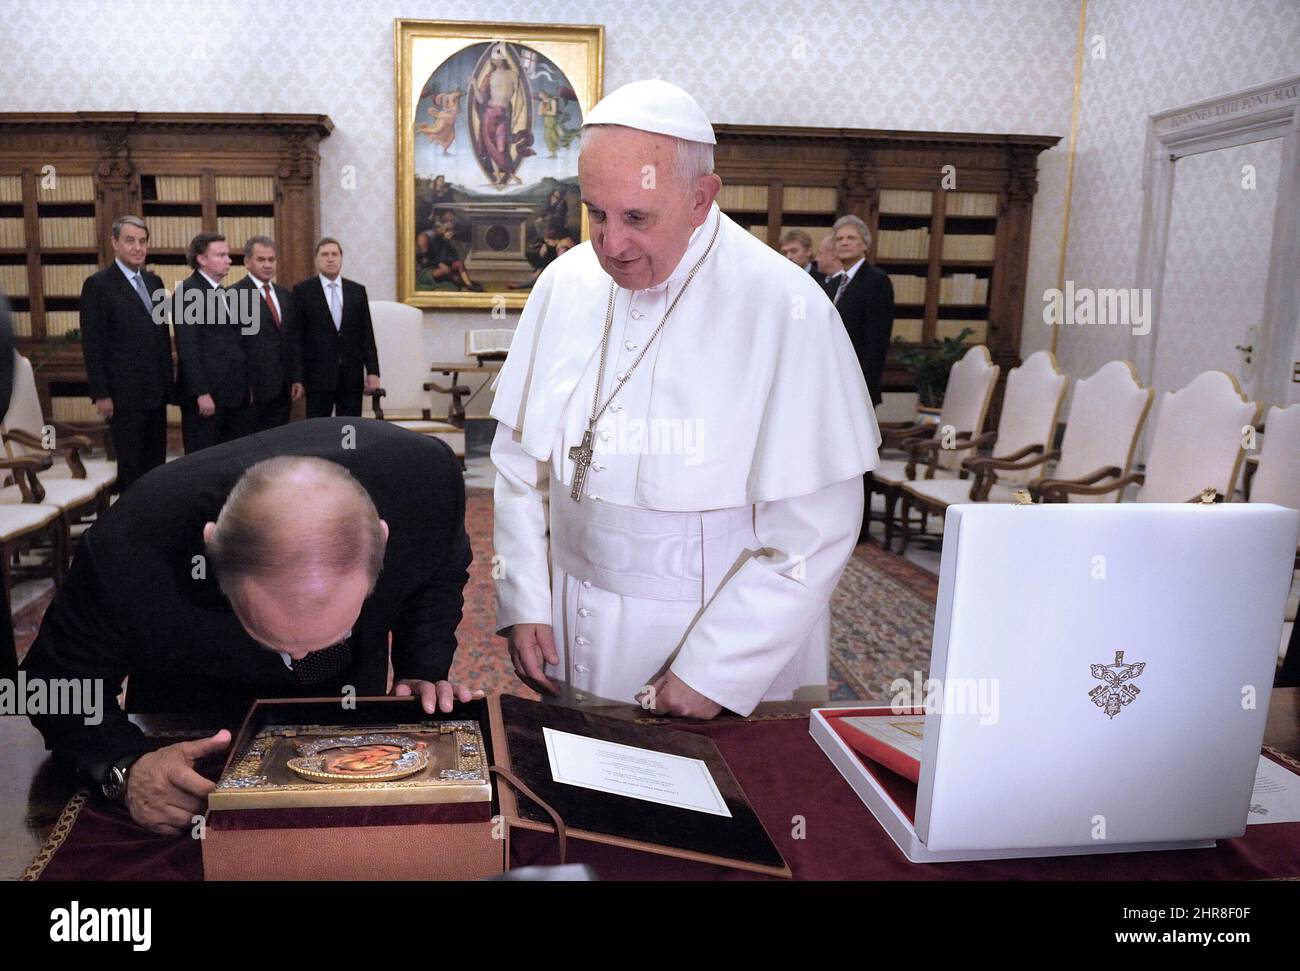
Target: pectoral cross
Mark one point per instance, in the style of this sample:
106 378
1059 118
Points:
580 455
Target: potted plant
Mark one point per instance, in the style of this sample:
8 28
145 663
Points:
929 364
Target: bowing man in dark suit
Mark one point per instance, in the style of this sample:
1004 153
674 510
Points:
127 347
339 359
865 299
272 349
274 566
213 370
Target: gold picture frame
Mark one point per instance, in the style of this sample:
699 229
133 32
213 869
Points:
488 116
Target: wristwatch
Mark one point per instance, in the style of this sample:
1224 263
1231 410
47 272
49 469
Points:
114 783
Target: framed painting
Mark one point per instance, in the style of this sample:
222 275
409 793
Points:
488 123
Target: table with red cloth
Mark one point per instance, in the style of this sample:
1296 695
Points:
817 821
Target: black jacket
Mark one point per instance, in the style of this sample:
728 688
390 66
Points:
867 309
128 355
335 359
131 605
273 354
209 349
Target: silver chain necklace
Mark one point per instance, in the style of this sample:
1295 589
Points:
581 455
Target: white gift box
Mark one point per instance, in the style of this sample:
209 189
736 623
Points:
1099 681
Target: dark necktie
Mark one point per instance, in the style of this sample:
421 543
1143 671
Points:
324 664
844 285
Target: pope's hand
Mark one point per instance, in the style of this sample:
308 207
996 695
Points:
670 695
532 646
164 793
435 695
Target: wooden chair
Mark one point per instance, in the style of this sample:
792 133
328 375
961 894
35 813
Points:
1027 426
24 520
66 486
1106 418
965 406
24 425
405 397
1196 448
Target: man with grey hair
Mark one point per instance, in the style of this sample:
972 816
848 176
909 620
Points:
273 351
128 355
282 564
865 299
681 441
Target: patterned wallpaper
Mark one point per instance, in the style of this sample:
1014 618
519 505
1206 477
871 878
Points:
1160 54
956 65
868 64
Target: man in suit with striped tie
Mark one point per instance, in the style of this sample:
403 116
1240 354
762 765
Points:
339 359
128 353
865 299
272 349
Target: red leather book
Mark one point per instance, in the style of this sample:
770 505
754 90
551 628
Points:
893 743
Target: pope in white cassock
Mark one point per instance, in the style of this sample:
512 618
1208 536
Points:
683 429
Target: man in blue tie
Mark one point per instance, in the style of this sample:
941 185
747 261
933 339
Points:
128 354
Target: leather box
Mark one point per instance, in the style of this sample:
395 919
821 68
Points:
370 840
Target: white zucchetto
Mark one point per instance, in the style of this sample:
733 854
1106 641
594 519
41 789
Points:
654 106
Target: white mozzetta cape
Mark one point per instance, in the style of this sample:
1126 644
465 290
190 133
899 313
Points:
754 352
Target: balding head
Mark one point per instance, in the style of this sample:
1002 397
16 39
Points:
297 548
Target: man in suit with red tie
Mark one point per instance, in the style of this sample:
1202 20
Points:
272 349
339 359
128 354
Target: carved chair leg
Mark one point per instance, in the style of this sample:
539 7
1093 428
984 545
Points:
891 501
58 554
906 520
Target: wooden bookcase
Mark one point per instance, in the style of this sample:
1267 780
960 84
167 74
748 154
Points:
958 255
65 177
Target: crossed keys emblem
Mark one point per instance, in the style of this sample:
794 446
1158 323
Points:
1114 694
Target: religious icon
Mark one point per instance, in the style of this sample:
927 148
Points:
490 119
322 765
359 758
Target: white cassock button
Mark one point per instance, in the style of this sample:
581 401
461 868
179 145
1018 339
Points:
630 346
580 668
584 612
579 697
604 435
615 408
581 640
622 375
637 315
593 497
586 583
598 468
